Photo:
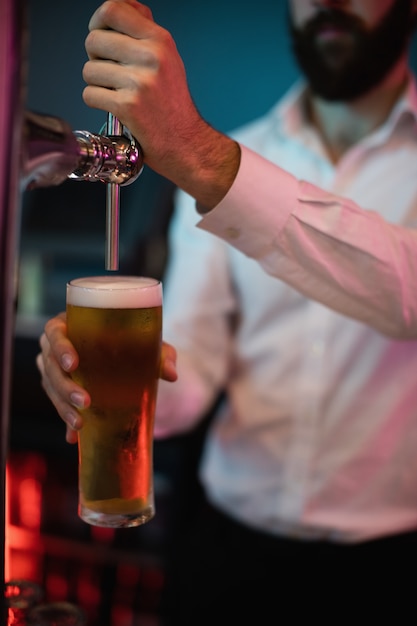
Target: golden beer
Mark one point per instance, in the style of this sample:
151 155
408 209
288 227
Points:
115 324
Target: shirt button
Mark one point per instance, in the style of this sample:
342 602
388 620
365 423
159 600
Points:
232 232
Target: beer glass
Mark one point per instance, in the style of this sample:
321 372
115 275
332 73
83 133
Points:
115 324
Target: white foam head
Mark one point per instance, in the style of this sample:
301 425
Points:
115 292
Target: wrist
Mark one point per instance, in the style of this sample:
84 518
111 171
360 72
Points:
215 163
205 165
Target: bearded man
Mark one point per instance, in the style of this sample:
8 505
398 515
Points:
309 466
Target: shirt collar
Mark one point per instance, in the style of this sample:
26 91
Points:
291 118
407 104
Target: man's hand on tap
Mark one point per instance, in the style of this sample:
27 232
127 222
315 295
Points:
135 72
58 358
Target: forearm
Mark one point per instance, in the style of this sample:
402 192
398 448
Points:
215 165
204 165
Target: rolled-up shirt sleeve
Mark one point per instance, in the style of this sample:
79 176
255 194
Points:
327 247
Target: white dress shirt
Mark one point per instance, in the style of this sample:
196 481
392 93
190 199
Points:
309 321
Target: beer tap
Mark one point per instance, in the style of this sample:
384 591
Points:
54 153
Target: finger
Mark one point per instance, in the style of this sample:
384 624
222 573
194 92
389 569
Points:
56 360
65 395
120 15
168 369
117 88
109 45
54 340
111 75
71 435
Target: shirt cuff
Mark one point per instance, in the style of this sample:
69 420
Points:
256 207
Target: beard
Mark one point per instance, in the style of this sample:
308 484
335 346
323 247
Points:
351 65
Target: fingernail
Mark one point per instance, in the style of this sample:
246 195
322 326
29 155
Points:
74 420
77 399
66 361
171 365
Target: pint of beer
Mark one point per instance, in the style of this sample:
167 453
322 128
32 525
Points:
115 324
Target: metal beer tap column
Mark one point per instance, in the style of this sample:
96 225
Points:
112 207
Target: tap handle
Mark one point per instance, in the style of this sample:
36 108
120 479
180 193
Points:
114 127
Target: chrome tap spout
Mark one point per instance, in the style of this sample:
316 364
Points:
52 152
107 158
